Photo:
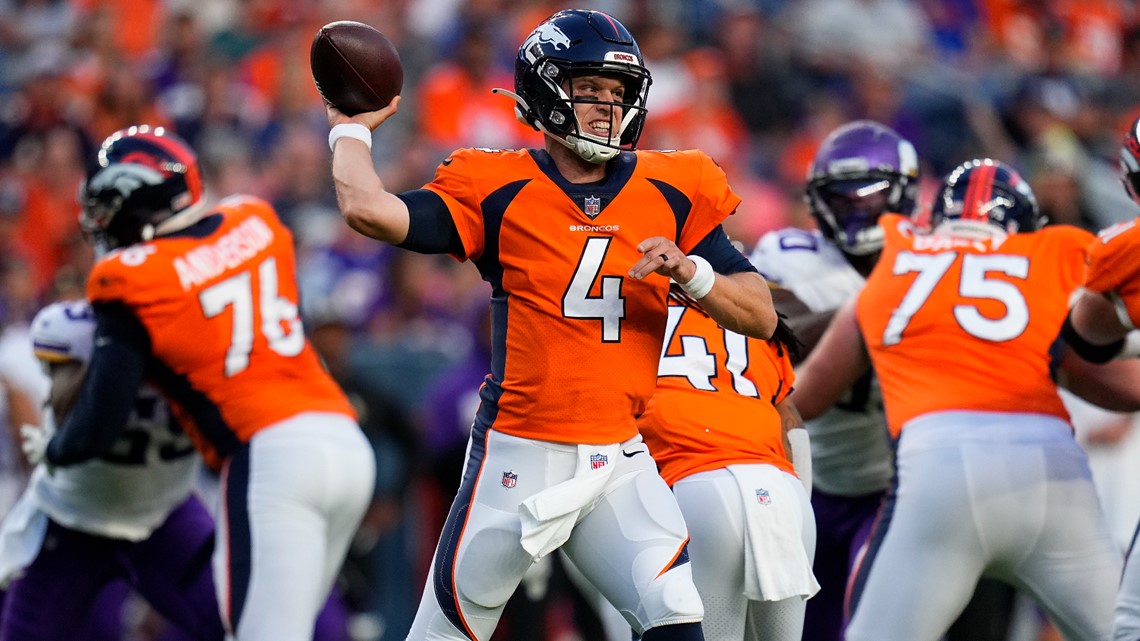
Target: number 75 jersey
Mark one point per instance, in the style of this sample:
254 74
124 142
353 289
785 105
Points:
219 304
954 323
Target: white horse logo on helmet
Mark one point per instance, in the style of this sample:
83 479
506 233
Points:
548 34
125 178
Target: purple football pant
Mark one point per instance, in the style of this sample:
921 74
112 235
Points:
171 570
843 524
331 625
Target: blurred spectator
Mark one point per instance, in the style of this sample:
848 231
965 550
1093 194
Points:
953 24
380 566
1090 32
346 276
412 339
824 113
134 23
1054 168
25 24
703 116
835 36
44 100
765 89
278 68
124 99
51 167
456 106
663 45
879 94
175 68
297 181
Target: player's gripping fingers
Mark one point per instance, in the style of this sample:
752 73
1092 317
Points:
370 119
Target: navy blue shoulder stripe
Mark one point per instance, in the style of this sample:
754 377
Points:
678 202
494 208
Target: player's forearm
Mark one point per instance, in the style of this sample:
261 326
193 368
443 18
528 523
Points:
103 407
807 325
742 303
364 203
834 366
1094 316
1113 386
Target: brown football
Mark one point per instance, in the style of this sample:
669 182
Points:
356 67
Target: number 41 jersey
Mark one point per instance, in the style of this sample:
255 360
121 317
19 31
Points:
954 323
219 304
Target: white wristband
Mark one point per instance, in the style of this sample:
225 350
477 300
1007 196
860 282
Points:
702 281
1131 347
350 130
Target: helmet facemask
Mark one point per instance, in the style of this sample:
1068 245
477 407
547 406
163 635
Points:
569 45
552 110
862 170
849 209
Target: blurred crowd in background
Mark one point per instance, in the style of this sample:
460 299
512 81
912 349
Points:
1046 85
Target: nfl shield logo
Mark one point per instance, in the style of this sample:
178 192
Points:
593 206
509 479
762 497
598 460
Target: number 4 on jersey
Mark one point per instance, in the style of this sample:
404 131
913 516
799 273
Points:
610 306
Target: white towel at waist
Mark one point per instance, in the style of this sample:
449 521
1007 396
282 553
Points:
776 565
21 537
549 516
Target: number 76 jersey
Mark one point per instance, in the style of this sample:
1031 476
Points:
954 323
218 301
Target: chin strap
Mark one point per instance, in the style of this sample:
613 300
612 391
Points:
588 150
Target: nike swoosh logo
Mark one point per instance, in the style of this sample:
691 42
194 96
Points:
632 454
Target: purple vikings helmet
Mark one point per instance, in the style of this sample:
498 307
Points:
987 191
861 171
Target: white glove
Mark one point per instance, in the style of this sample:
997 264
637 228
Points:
35 439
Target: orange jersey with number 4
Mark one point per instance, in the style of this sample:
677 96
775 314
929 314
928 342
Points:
575 338
969 324
219 303
715 399
1114 265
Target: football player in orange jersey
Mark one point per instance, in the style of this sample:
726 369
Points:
729 441
579 241
1107 309
962 325
201 299
1100 327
